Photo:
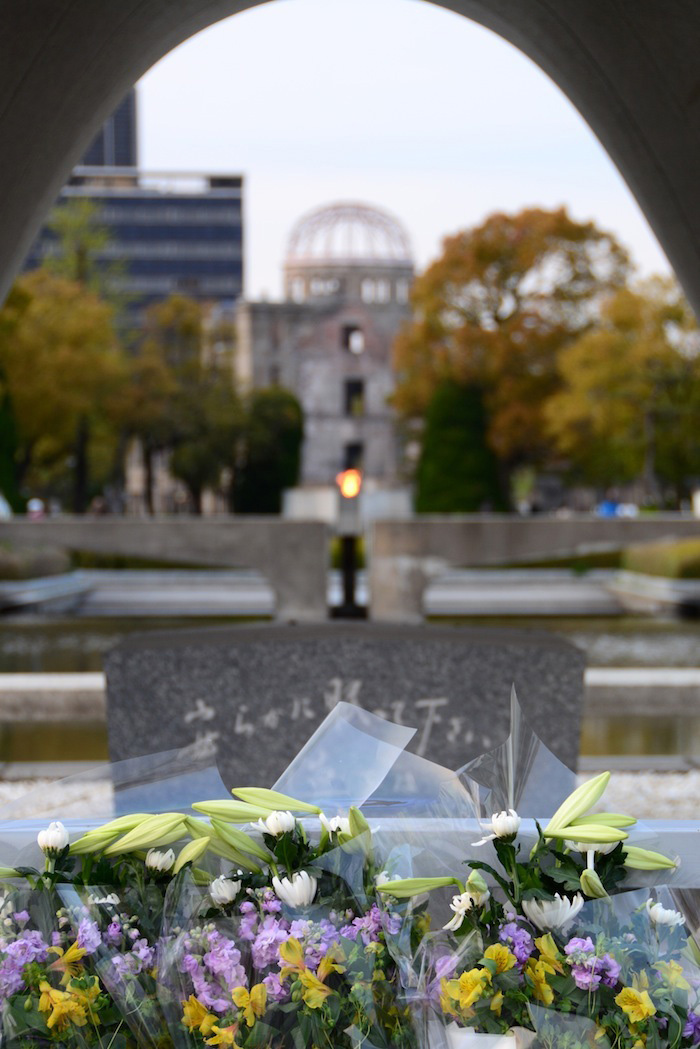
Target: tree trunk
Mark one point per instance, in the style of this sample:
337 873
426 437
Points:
148 467
80 475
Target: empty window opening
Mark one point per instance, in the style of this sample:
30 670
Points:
383 292
354 397
274 375
367 290
402 291
352 456
352 338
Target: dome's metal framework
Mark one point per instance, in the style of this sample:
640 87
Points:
348 232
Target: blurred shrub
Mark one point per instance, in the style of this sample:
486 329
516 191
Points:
677 559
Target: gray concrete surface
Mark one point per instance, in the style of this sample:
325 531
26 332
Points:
405 556
630 69
292 555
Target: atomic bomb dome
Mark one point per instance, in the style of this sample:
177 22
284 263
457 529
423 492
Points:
351 250
348 232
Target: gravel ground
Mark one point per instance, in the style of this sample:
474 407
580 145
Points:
674 795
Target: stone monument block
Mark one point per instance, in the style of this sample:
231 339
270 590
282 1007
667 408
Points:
258 692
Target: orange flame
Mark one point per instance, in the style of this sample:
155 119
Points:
349 482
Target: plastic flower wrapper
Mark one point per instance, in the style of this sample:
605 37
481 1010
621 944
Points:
291 954
149 784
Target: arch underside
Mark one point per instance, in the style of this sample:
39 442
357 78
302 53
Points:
630 69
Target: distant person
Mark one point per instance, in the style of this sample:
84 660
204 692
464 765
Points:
36 509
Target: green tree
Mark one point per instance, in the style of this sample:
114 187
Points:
61 364
270 451
184 398
631 393
496 309
457 471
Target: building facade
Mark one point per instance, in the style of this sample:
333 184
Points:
169 233
347 278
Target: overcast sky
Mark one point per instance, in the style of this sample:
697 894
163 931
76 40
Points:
398 103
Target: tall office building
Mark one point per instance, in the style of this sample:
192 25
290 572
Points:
169 233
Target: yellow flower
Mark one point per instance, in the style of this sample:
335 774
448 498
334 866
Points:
292 953
65 1008
673 972
68 962
223 1036
636 1004
549 952
252 1002
497 1003
503 958
194 1014
469 987
330 964
445 999
537 971
315 991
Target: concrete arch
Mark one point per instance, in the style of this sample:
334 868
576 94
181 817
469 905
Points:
629 68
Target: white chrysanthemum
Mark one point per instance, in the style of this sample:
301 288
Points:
224 890
663 915
277 823
552 914
462 904
335 825
54 839
299 892
502 825
159 861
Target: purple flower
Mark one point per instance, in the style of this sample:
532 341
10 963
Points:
113 934
265 949
609 969
519 940
88 936
270 903
577 945
692 1027
276 992
586 977
28 947
21 916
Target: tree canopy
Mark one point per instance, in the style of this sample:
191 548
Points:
630 392
496 309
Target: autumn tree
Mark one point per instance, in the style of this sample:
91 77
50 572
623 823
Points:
495 311
270 451
60 363
630 397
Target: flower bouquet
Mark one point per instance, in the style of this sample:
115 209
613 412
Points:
349 908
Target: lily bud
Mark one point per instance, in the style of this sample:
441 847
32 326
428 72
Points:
191 852
404 888
607 819
151 832
54 839
159 862
224 890
578 803
476 883
587 833
592 886
299 892
277 823
239 840
646 860
273 800
231 811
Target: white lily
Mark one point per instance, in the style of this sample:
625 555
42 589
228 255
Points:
224 890
159 861
503 825
299 892
552 914
382 878
462 904
54 839
663 915
277 823
335 825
